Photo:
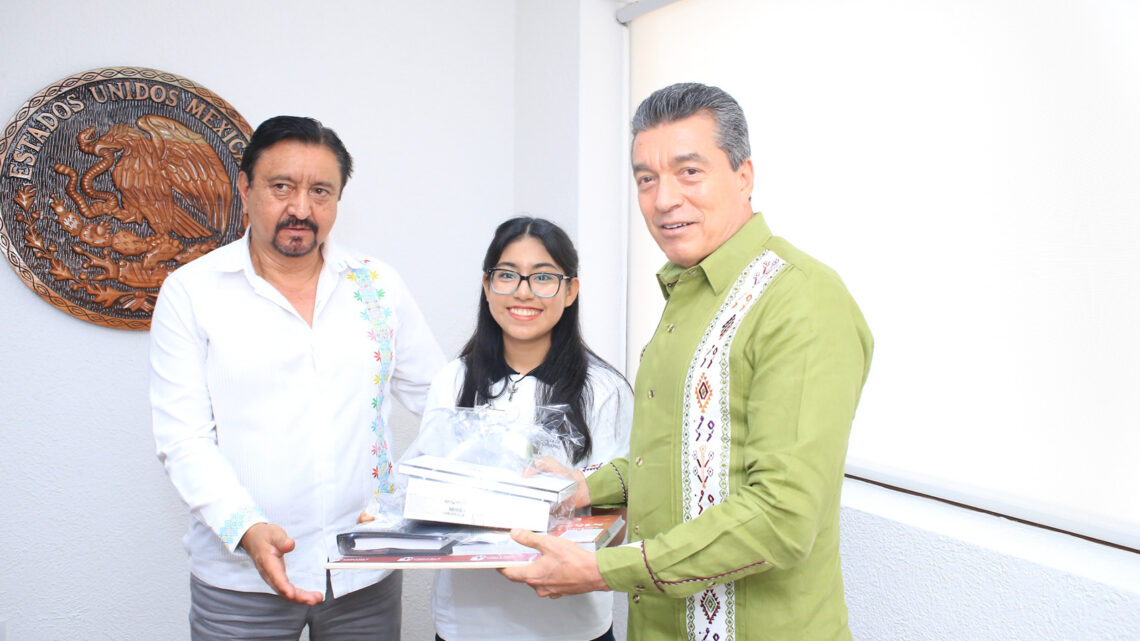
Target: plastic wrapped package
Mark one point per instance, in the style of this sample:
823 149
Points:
467 467
493 437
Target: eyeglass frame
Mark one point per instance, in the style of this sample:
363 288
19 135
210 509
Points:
490 274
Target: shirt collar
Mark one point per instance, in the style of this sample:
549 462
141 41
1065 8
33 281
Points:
541 373
720 268
235 260
341 258
544 373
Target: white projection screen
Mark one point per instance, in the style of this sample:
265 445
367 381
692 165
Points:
971 168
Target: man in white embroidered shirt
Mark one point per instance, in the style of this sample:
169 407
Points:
273 364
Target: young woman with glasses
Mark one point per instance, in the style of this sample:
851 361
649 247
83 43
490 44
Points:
527 350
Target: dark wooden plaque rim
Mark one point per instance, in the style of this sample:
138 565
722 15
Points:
17 122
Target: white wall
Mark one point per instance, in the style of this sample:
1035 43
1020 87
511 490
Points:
919 569
570 150
429 98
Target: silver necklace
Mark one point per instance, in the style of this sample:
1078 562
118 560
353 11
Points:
513 385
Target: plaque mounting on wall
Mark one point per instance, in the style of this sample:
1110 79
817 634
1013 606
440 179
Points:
112 178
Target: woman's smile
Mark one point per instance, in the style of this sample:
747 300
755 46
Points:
523 313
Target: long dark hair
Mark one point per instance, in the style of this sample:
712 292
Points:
563 371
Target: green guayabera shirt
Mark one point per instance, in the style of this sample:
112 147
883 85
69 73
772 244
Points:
736 457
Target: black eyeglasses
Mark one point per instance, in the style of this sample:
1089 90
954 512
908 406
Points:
542 284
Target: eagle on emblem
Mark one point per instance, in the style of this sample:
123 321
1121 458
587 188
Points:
167 175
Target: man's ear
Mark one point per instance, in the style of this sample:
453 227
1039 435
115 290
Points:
243 191
745 173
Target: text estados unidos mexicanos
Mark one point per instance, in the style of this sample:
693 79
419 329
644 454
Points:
48 118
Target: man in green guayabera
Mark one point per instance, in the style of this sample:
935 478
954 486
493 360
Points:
744 402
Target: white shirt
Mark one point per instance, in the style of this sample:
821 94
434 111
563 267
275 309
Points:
470 605
259 417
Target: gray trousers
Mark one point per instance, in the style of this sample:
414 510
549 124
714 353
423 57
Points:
370 614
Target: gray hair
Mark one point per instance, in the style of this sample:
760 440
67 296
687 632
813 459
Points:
684 99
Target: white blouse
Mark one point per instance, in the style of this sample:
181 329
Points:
471 605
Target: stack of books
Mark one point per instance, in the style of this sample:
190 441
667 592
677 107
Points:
458 515
459 547
451 491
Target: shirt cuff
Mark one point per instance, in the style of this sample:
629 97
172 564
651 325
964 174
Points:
238 523
607 487
625 568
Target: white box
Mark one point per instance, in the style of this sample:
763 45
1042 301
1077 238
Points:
458 492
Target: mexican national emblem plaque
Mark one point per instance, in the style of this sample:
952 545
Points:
112 178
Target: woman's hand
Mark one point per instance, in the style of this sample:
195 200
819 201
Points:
551 465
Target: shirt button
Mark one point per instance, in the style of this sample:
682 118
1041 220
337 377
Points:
637 598
669 328
638 461
651 394
639 588
637 529
712 584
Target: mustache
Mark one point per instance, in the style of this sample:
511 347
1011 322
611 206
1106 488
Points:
293 221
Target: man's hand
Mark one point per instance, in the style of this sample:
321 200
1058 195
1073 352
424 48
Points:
563 568
267 544
551 465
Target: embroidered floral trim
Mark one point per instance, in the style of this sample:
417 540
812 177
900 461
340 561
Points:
378 317
236 525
